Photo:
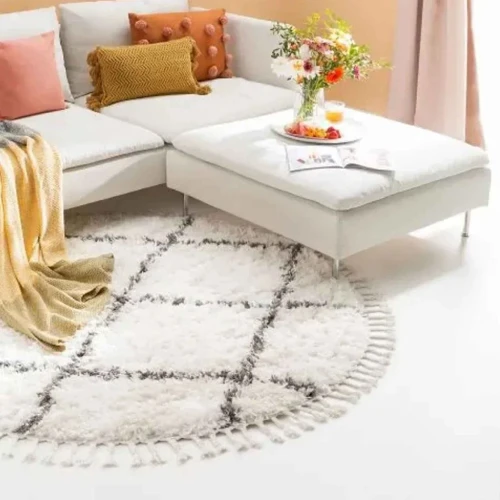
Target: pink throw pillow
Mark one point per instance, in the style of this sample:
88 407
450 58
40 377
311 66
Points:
29 81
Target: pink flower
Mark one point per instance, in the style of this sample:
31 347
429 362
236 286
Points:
308 66
356 72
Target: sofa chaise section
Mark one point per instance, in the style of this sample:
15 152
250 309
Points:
241 168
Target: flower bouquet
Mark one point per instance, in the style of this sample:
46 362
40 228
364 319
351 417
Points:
319 56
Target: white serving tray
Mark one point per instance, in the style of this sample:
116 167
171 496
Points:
351 131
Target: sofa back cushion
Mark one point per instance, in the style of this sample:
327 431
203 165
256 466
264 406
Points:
35 22
86 25
29 82
205 27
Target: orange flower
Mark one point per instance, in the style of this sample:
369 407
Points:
335 75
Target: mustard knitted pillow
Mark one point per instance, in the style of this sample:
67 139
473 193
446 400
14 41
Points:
130 72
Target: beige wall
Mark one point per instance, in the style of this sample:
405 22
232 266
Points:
373 23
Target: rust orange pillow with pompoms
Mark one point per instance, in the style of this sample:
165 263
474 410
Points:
205 27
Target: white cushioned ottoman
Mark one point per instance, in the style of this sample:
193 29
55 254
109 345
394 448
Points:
241 168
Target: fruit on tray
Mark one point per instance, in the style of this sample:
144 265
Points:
302 129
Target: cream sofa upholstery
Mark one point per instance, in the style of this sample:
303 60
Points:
88 24
83 137
232 99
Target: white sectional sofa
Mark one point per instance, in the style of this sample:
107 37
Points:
219 148
124 148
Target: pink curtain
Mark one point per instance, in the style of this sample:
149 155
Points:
434 81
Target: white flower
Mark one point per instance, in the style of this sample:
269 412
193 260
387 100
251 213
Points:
305 52
341 38
283 67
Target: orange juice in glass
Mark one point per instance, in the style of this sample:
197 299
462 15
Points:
334 111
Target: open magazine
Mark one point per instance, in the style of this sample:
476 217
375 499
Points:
302 158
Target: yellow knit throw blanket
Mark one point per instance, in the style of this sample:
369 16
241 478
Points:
42 294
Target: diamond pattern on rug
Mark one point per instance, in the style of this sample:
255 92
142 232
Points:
127 257
340 338
218 271
224 227
260 400
318 286
19 394
132 409
125 227
213 324
157 336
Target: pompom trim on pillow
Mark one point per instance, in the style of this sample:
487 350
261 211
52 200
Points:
208 28
167 32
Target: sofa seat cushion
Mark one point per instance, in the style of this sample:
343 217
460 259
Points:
250 148
231 99
83 137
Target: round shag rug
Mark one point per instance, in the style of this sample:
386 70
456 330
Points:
219 336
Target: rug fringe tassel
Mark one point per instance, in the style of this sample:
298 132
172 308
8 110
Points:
88 452
51 454
10 447
218 443
135 455
271 432
204 447
182 456
69 458
110 459
158 459
31 455
301 422
245 434
287 429
235 443
333 410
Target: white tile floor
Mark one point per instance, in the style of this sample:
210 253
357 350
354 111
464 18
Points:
431 430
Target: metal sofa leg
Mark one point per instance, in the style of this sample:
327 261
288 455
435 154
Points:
465 231
185 206
336 268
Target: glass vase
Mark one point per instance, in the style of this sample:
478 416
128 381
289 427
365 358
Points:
309 104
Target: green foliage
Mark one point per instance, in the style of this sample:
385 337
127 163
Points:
290 40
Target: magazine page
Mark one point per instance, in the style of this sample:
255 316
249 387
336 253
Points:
376 159
302 158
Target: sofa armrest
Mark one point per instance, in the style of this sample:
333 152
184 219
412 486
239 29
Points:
251 45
